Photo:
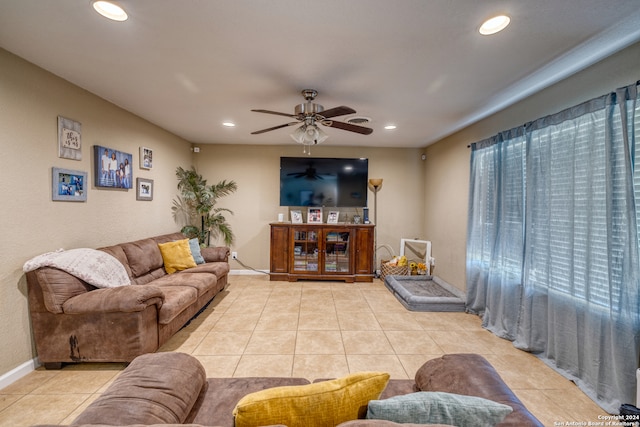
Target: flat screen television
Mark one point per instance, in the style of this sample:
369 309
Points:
327 182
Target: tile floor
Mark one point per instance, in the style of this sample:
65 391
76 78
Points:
312 330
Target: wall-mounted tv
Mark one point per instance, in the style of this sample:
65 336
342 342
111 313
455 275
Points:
329 182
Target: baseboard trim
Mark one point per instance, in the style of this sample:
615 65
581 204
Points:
247 272
18 372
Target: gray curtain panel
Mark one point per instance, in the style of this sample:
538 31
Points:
553 242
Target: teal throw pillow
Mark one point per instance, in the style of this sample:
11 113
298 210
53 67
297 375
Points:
427 407
194 245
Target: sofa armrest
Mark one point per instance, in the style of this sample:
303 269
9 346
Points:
217 254
125 299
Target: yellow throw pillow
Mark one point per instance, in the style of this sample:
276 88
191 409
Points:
176 255
326 403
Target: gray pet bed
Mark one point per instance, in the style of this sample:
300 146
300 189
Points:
426 293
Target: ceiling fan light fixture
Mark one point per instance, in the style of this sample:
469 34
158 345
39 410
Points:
308 135
110 10
494 25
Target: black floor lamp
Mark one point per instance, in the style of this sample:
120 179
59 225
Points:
376 183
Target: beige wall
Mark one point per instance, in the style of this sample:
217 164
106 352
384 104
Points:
256 170
31 223
447 164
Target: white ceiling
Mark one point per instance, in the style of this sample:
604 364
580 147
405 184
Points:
189 65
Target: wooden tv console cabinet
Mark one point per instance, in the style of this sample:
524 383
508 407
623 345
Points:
322 252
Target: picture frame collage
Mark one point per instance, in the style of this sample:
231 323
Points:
113 169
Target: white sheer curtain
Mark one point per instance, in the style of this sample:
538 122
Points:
495 231
576 294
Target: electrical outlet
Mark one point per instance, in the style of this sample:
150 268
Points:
234 255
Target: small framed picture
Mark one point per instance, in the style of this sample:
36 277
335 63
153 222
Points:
296 217
144 189
314 216
68 185
146 158
69 139
333 216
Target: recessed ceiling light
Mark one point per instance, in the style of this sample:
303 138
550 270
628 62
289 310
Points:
390 127
110 10
228 124
494 25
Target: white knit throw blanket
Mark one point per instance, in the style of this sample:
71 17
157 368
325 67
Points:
95 267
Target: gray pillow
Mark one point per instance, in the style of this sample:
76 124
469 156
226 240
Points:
427 407
194 245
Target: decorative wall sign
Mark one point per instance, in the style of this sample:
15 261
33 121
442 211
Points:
146 158
69 139
112 168
144 189
69 185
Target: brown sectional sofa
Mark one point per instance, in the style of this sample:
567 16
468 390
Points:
73 321
172 389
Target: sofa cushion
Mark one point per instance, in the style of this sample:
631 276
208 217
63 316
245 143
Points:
318 404
176 300
194 245
473 375
202 282
176 255
439 408
143 256
157 388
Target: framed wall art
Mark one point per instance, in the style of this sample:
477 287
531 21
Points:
112 168
144 189
69 139
68 185
146 158
314 216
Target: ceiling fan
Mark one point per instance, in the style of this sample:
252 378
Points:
310 173
310 113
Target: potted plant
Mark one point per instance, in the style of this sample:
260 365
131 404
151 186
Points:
197 203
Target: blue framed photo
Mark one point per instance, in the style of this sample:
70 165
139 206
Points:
113 168
69 185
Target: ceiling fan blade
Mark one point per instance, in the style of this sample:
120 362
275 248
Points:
274 128
274 112
337 111
348 126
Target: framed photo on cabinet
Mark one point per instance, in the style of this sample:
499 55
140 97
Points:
314 216
333 216
296 217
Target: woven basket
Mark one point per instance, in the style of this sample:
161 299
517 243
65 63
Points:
392 270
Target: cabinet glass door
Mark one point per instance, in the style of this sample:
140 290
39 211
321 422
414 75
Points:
336 251
305 250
